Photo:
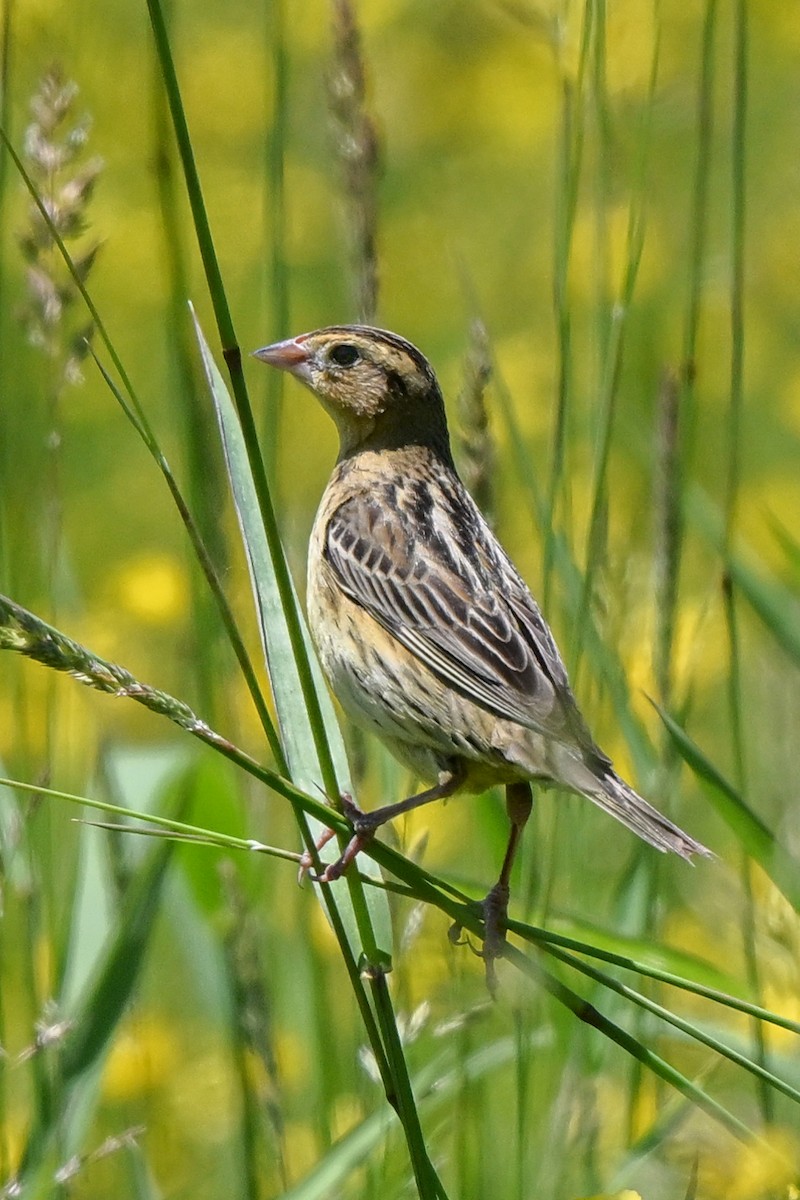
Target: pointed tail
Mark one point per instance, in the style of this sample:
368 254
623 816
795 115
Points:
621 801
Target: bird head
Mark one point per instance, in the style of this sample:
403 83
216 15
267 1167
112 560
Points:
379 389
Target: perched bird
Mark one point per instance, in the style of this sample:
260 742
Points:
427 633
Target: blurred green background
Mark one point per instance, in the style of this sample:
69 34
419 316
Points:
492 122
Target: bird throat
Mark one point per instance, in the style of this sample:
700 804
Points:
407 422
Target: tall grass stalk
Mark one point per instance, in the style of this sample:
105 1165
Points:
612 318
232 355
5 457
275 221
737 384
474 439
382 1026
356 141
205 480
6 18
698 228
570 162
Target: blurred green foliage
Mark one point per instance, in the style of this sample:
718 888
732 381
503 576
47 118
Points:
478 106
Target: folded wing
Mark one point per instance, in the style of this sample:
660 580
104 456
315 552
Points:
431 572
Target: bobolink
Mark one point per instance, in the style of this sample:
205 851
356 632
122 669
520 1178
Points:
427 633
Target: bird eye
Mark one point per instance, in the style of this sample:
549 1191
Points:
344 355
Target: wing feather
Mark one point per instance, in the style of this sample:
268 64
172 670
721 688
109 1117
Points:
449 594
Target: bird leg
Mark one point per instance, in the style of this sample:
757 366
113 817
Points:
366 823
519 802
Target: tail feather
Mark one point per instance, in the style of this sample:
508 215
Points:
616 797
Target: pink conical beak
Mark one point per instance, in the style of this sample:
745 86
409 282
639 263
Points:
290 355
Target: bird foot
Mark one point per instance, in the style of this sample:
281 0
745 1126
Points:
495 910
363 833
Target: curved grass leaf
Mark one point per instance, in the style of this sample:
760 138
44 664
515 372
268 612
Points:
776 606
788 544
754 836
299 742
94 1017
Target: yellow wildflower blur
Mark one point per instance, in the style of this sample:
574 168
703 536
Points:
626 1195
750 1171
227 118
152 588
610 251
630 37
292 1057
204 1095
302 1148
347 1113
699 648
142 1058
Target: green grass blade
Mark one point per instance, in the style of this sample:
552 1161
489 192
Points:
233 360
654 961
135 413
603 658
152 824
754 836
775 605
247 436
641 953
95 1016
299 741
788 544
591 1016
295 727
436 1085
688 1028
276 224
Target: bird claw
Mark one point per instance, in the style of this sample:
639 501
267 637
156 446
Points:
455 935
363 832
306 860
495 910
